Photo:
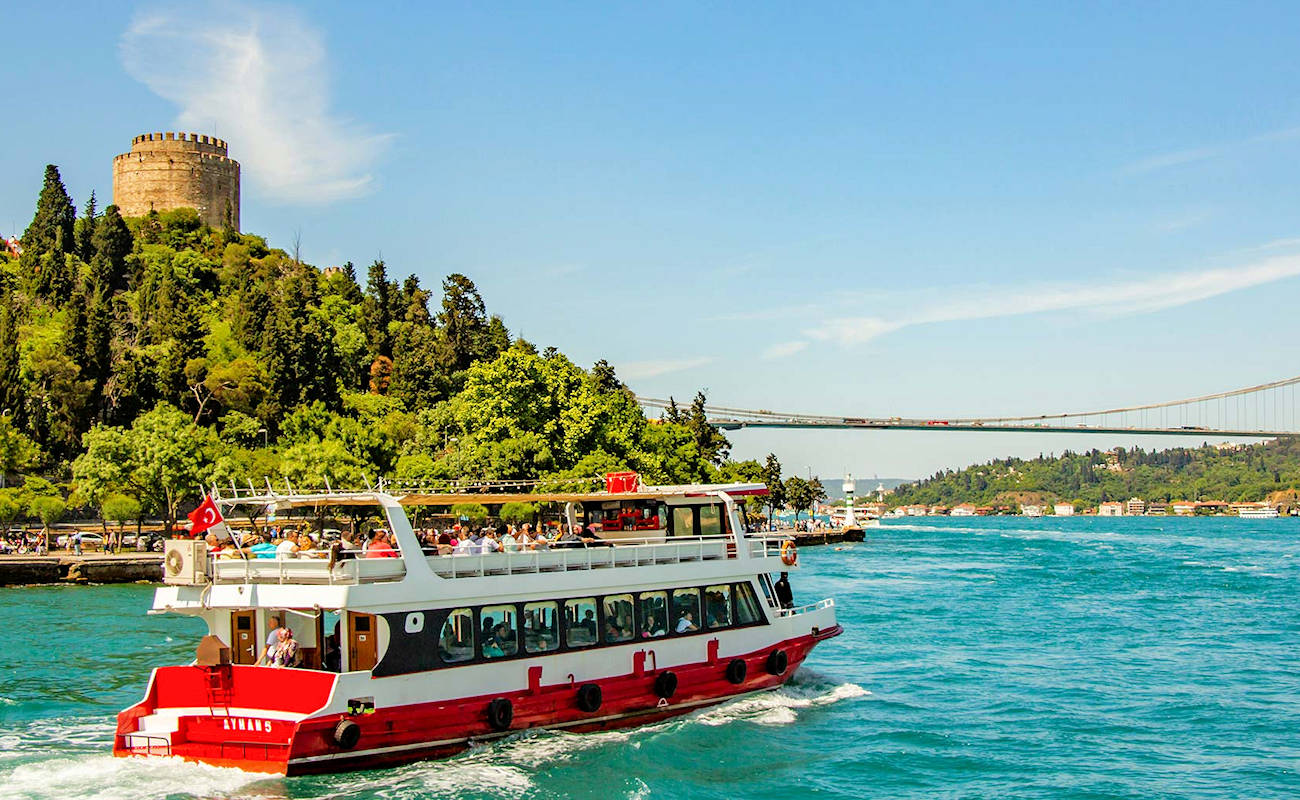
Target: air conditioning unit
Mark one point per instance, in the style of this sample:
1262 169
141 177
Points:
185 562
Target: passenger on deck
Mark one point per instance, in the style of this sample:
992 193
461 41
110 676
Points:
286 652
686 623
263 549
589 623
379 546
286 548
272 639
214 544
510 542
784 596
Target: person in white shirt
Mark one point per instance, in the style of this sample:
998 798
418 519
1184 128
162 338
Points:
512 543
489 543
465 546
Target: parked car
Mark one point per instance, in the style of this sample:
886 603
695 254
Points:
89 541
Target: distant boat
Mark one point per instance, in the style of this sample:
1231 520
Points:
1258 512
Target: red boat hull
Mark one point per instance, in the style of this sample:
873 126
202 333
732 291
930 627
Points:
414 732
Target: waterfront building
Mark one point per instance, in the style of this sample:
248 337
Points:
1110 510
1063 510
1135 507
1255 510
1157 509
1183 508
963 510
1031 510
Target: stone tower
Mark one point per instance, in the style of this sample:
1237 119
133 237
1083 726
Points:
177 170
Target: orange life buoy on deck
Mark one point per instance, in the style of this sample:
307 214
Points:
789 553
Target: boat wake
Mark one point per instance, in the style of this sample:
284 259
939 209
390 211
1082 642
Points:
67 758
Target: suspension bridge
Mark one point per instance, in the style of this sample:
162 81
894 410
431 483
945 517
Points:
1263 411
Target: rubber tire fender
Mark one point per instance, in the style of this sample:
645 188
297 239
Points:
590 697
500 713
737 670
778 662
346 734
666 684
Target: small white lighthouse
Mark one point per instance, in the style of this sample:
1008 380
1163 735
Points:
849 486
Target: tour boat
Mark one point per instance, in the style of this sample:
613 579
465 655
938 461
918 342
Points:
422 655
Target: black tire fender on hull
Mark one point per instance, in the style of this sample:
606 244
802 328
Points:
666 684
590 697
737 670
500 713
777 662
346 734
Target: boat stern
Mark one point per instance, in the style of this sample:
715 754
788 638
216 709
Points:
230 716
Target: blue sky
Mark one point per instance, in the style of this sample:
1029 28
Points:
890 209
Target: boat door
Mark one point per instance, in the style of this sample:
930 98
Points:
363 644
243 630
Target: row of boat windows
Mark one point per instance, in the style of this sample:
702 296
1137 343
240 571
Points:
701 520
500 631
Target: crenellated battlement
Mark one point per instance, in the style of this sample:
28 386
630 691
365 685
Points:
170 140
166 170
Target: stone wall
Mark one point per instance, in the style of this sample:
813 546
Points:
177 170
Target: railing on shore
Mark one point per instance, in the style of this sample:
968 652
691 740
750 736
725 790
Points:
619 553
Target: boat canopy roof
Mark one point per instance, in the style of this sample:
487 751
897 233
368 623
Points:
418 497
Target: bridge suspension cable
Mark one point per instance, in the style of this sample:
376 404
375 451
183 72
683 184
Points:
1268 414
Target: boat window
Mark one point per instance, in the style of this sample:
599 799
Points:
717 606
580 622
457 640
686 610
710 521
618 618
498 633
747 612
653 614
683 521
541 627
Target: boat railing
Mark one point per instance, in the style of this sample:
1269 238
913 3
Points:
307 570
151 745
818 606
626 552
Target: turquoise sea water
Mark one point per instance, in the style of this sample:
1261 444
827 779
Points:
1009 658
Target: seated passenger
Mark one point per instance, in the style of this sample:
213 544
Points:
505 639
380 547
264 548
286 548
589 623
307 547
686 623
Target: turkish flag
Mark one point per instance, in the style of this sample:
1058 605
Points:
205 516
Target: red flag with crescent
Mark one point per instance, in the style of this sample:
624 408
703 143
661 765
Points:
207 515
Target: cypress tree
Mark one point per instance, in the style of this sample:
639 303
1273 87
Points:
112 244
84 231
11 390
378 311
48 239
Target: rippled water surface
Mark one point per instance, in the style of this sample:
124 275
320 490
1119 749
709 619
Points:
1074 658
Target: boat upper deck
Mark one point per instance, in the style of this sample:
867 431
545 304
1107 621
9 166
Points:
620 553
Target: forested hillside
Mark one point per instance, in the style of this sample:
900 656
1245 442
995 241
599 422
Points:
1232 474
142 357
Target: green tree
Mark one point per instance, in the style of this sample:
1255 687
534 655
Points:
121 509
799 495
776 498
162 460
314 465
517 513
17 451
84 231
48 241
11 508
474 513
49 510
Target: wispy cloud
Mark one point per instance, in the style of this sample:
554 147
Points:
1192 155
258 78
785 349
1119 297
634 370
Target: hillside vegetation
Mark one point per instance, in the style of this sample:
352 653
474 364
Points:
1232 474
140 358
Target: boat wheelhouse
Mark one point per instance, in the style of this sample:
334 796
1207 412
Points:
423 654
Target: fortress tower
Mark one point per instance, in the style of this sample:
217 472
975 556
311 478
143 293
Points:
177 170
